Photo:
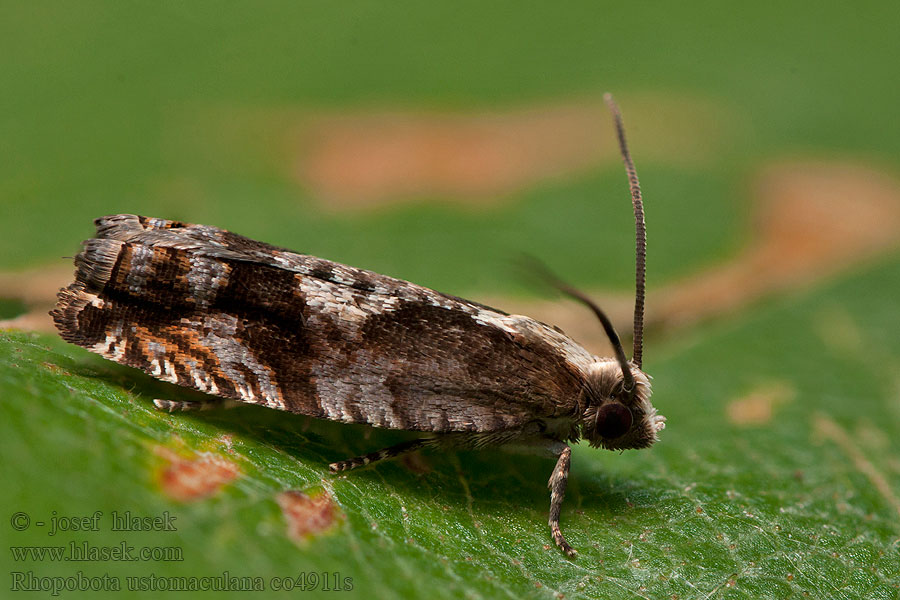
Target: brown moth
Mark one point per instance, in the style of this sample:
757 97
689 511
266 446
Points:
239 319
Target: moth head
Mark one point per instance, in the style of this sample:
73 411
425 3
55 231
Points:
616 393
616 397
618 412
616 417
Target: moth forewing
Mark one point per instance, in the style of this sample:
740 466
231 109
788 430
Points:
249 322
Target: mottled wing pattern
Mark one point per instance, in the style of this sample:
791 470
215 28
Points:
211 310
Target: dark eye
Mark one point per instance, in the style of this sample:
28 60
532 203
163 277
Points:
613 420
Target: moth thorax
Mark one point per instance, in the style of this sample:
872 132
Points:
615 417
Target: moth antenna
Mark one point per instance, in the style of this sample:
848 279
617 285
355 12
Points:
552 279
640 233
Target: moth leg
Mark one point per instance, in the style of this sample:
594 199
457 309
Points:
557 485
194 405
390 452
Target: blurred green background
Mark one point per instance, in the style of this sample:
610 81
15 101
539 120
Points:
202 111
103 111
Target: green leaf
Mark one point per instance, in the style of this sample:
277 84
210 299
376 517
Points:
776 477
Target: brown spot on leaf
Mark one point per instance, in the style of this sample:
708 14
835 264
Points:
36 289
757 407
370 158
306 515
813 219
196 477
37 284
54 368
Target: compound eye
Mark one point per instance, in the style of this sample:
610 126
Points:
613 420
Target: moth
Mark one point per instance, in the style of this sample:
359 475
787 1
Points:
248 322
